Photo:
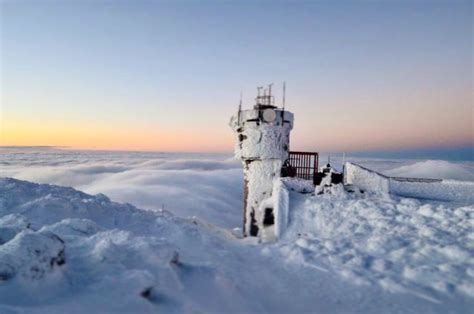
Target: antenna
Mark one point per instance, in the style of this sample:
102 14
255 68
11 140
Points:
240 108
270 94
344 168
284 95
283 105
259 89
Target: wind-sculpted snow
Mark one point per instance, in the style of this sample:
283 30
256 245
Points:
403 245
25 252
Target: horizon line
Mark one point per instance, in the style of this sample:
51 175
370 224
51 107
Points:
466 148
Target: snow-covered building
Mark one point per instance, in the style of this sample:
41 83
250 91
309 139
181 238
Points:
263 144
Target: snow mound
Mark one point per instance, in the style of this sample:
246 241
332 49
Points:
10 226
31 255
73 227
45 204
434 169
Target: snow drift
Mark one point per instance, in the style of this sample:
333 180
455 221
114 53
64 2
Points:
403 245
31 255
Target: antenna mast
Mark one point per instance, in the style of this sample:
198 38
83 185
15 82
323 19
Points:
284 95
270 94
283 111
240 108
257 100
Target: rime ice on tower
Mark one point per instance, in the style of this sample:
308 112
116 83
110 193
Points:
263 135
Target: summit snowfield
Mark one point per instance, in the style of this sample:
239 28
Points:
62 250
117 258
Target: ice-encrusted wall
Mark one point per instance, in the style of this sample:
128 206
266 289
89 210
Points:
281 200
262 144
444 190
365 179
435 189
259 139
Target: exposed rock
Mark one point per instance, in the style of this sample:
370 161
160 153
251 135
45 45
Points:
147 292
175 258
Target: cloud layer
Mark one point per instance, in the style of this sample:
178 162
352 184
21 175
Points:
208 186
203 185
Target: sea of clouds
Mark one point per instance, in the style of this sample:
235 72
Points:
208 186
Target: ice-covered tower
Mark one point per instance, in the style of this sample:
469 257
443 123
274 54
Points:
262 143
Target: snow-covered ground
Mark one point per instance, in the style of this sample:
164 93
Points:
62 250
340 254
419 247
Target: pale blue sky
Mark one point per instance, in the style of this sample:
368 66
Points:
361 74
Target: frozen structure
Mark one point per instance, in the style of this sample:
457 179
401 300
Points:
272 171
433 189
262 143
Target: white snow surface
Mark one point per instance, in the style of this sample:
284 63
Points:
340 253
403 245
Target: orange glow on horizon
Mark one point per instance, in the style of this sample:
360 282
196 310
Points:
114 137
110 137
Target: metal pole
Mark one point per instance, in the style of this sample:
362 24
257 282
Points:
270 94
283 111
284 95
240 109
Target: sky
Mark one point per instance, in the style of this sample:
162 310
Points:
167 75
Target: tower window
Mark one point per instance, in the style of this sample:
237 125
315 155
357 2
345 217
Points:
269 218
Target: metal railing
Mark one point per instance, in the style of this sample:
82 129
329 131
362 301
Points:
303 165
